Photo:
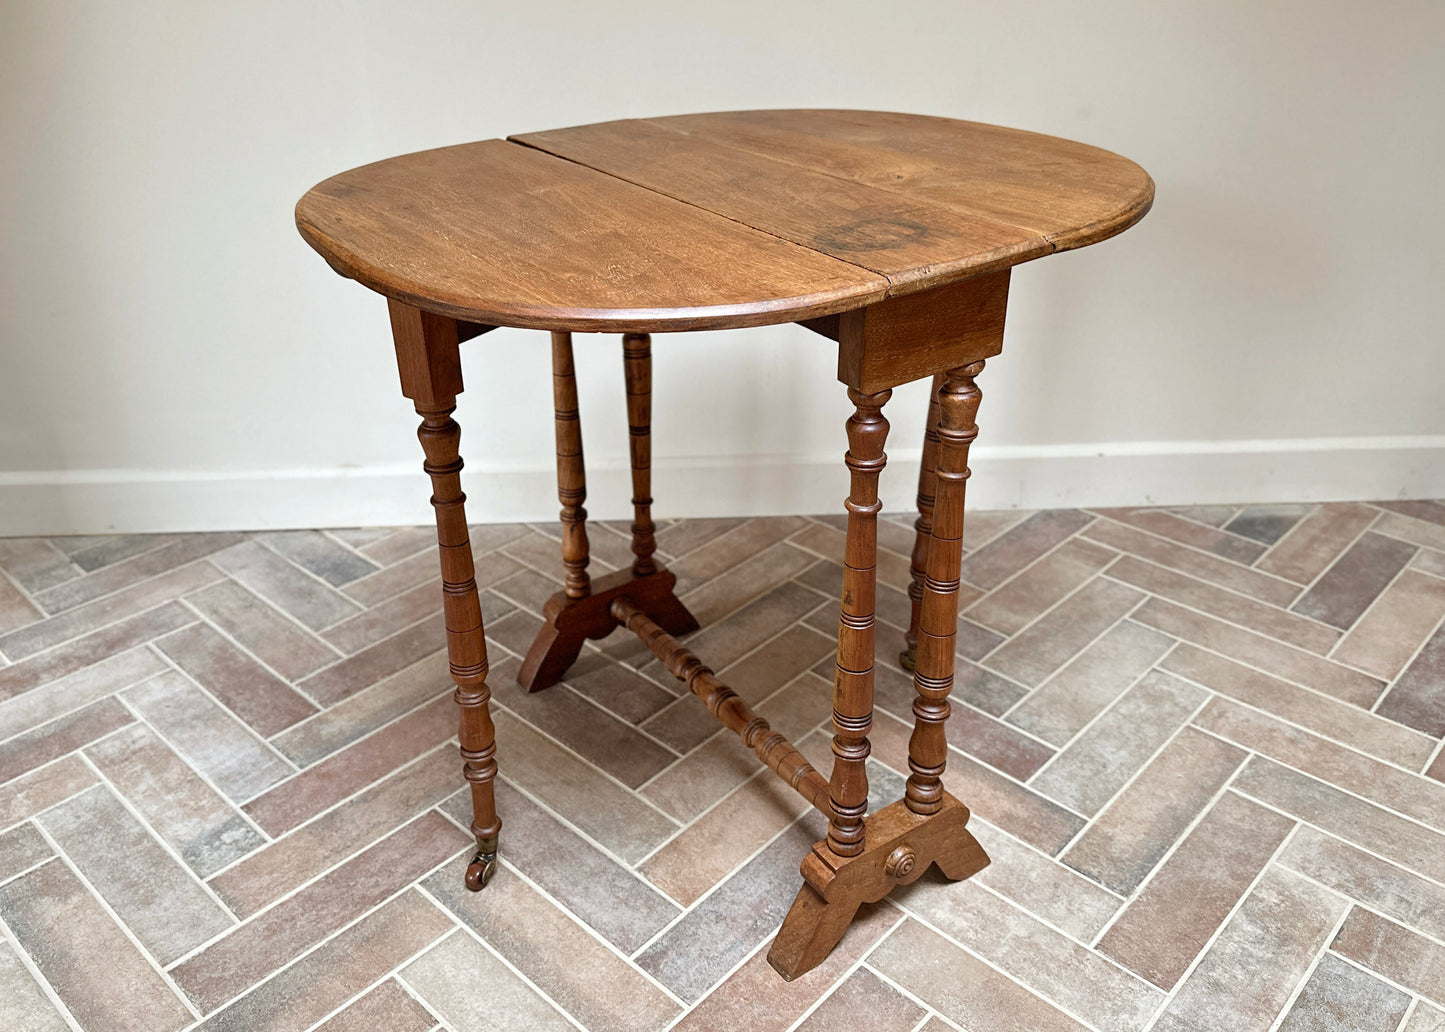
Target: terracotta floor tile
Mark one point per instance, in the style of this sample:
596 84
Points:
206 736
1226 605
894 570
1427 534
87 685
1130 837
318 554
386 1008
1002 801
1399 954
1355 580
263 701
327 977
1282 924
741 823
1188 532
385 546
1425 1018
42 788
962 987
91 553
15 610
1410 794
1090 682
699 950
1267 523
621 907
469 987
1309 548
731 547
861 993
1062 971
1338 992
1382 886
1340 721
685 535
35 563
36 748
185 549
345 772
612 744
102 979
1033 654
197 821
1429 560
83 619
1011 606
91 648
305 599
1279 659
1042 885
1097 763
733 1004
344 722
593 984
1416 699
1166 926
1402 841
614 817
26 1005
1389 634
385 657
267 874
158 899
22 847
247 954
716 598
1203 565
263 630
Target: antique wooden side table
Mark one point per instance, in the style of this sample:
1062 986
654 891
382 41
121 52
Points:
891 234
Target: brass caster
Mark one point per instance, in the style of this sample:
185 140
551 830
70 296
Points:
906 660
483 865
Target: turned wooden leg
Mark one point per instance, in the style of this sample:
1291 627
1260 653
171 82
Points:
853 678
583 609
928 827
637 370
430 364
958 400
571 471
923 526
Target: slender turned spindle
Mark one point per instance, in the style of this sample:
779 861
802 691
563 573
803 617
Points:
923 526
853 679
938 619
773 748
466 644
571 473
637 369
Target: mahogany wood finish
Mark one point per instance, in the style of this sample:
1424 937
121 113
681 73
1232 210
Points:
637 367
431 375
958 400
571 471
853 676
923 526
892 235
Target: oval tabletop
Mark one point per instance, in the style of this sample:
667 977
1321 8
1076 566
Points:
712 221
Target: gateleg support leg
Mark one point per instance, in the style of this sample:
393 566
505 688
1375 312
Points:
429 361
582 610
923 526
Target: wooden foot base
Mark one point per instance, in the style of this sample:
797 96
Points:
898 846
571 621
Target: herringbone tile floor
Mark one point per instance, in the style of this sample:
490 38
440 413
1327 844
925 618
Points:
1201 745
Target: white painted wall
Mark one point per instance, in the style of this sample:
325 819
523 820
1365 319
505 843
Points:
173 356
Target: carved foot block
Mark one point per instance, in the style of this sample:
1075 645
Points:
898 846
571 621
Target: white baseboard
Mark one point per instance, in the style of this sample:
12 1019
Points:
1032 477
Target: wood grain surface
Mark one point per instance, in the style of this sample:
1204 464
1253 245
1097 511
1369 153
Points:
713 221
